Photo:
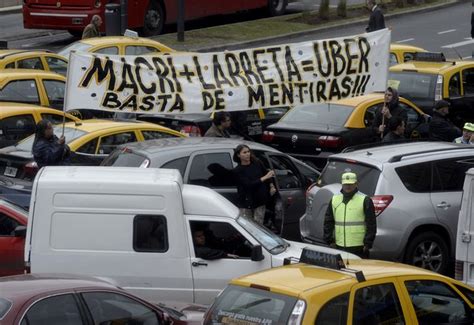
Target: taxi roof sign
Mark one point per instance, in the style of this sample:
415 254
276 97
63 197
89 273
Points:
331 261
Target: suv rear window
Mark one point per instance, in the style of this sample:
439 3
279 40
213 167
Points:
123 158
367 175
414 85
250 306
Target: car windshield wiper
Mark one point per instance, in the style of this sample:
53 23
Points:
252 304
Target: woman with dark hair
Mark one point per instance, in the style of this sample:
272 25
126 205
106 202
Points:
254 186
48 149
391 108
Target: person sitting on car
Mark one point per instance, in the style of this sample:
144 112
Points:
467 134
207 253
220 125
441 128
396 127
389 110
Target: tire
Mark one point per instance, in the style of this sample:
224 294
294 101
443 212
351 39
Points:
277 7
154 19
429 251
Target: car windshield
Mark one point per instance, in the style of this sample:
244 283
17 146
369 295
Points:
4 307
414 85
324 113
77 46
272 243
69 133
244 305
124 157
367 175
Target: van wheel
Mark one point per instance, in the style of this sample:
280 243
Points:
428 251
277 7
154 19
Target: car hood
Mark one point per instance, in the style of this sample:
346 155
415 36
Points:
307 127
295 249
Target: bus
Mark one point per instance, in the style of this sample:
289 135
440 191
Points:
149 16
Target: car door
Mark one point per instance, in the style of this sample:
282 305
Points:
446 193
56 309
22 91
211 276
11 246
379 302
213 169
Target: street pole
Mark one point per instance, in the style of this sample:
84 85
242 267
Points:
123 16
180 20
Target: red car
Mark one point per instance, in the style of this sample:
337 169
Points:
53 299
12 238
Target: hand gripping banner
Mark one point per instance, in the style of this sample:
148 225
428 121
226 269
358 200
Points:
186 82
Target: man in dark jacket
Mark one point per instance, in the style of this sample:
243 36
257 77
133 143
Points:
396 127
48 149
350 223
376 20
220 126
441 128
207 253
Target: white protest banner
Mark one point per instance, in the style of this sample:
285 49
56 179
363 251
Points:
184 82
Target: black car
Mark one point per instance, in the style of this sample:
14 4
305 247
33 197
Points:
313 132
208 162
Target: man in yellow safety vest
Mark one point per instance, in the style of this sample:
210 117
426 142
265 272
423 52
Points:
350 223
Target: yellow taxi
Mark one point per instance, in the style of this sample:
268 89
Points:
435 78
116 45
90 142
335 292
17 121
41 88
400 53
37 60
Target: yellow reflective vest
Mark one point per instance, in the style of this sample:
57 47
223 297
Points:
349 228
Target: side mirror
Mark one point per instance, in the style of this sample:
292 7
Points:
20 231
257 254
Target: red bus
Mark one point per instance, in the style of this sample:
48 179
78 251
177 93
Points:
148 15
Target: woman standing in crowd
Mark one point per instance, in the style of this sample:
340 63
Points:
254 185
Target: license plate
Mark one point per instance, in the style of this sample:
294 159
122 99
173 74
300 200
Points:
10 171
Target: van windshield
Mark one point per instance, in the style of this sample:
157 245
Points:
367 175
272 243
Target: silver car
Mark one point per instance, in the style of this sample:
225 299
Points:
208 162
416 189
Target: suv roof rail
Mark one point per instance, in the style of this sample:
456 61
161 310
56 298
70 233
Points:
378 144
399 157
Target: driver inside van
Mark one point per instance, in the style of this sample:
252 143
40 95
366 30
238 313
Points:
207 253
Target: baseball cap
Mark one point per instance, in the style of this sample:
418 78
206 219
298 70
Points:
469 127
349 178
440 104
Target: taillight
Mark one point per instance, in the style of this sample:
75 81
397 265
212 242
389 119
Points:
268 136
459 270
439 88
297 314
30 170
329 141
381 202
191 130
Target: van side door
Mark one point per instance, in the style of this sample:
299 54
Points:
225 254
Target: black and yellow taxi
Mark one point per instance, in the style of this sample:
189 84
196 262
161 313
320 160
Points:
400 53
116 45
330 291
430 77
36 60
27 86
312 132
90 142
18 121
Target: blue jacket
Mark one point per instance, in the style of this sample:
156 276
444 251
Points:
50 152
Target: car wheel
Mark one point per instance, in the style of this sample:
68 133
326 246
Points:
428 251
154 19
277 7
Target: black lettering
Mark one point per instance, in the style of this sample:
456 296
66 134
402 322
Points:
337 58
178 104
174 74
334 91
110 100
311 94
246 65
208 100
204 84
320 60
142 61
256 96
147 103
219 75
162 100
320 90
364 48
364 83
130 102
162 72
273 51
350 57
346 85
301 87
128 80
287 94
274 93
291 66
220 102
355 85
101 73
233 68
260 68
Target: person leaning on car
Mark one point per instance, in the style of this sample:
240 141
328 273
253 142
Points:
441 128
350 222
220 125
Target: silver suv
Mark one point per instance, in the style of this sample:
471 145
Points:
416 189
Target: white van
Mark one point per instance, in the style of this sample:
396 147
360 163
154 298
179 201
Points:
464 268
133 227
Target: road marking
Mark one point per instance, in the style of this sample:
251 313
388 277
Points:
406 40
448 46
446 31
